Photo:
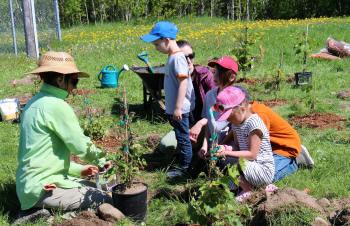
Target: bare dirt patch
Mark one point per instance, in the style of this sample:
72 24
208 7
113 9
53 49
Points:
319 120
109 143
249 81
153 141
83 92
86 218
274 103
26 80
343 94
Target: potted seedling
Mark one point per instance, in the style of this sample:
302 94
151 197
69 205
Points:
302 48
129 195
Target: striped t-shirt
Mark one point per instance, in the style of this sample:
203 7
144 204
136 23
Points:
260 171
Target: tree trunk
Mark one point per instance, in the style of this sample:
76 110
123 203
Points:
247 8
240 9
93 10
212 7
202 8
87 13
29 22
233 9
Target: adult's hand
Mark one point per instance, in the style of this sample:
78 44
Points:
89 171
49 187
203 153
195 131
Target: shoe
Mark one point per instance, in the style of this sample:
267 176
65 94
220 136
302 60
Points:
26 216
177 173
304 158
232 186
271 188
243 196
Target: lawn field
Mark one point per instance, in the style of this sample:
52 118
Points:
93 47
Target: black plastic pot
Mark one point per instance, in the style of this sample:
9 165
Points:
133 205
303 78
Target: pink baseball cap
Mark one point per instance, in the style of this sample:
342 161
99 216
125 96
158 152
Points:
226 100
225 62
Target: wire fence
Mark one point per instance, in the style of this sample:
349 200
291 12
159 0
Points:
45 22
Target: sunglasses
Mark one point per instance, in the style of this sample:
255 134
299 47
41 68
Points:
191 56
74 81
222 108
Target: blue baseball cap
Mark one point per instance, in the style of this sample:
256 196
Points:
162 29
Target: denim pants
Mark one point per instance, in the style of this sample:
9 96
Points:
283 167
182 134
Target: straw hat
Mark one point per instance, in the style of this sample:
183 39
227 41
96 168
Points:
59 62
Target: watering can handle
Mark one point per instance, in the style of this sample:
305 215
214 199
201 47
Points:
110 66
99 76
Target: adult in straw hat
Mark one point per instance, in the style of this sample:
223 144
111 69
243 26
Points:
50 133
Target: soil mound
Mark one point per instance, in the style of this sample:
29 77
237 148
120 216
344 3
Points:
86 218
319 120
289 197
153 141
109 143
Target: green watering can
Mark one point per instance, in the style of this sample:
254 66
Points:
109 76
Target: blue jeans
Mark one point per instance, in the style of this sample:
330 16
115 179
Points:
182 134
283 166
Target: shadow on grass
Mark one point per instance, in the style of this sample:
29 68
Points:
183 196
9 203
159 161
152 113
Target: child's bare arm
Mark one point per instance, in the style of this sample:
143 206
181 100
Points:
180 98
254 139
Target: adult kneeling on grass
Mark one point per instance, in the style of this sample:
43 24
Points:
49 134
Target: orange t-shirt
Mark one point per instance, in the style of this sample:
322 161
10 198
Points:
284 139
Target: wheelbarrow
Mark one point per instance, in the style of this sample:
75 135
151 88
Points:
152 84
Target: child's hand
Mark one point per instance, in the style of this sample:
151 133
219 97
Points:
177 115
203 153
221 152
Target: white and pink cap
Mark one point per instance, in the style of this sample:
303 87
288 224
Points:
226 100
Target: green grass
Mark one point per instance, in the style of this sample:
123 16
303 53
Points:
118 43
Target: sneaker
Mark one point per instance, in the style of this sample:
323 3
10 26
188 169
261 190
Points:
304 158
26 216
243 196
232 186
177 173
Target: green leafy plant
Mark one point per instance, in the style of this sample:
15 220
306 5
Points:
127 161
215 204
302 48
243 49
95 128
273 84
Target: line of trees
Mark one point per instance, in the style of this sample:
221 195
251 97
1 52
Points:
94 11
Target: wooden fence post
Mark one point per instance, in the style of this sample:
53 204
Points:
31 38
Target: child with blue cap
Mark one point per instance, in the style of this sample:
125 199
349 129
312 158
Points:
178 88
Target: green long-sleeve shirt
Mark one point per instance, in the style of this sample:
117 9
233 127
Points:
50 133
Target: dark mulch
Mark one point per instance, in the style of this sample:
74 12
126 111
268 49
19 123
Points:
84 92
319 120
249 81
274 103
109 143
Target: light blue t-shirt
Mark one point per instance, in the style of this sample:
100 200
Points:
177 67
220 127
